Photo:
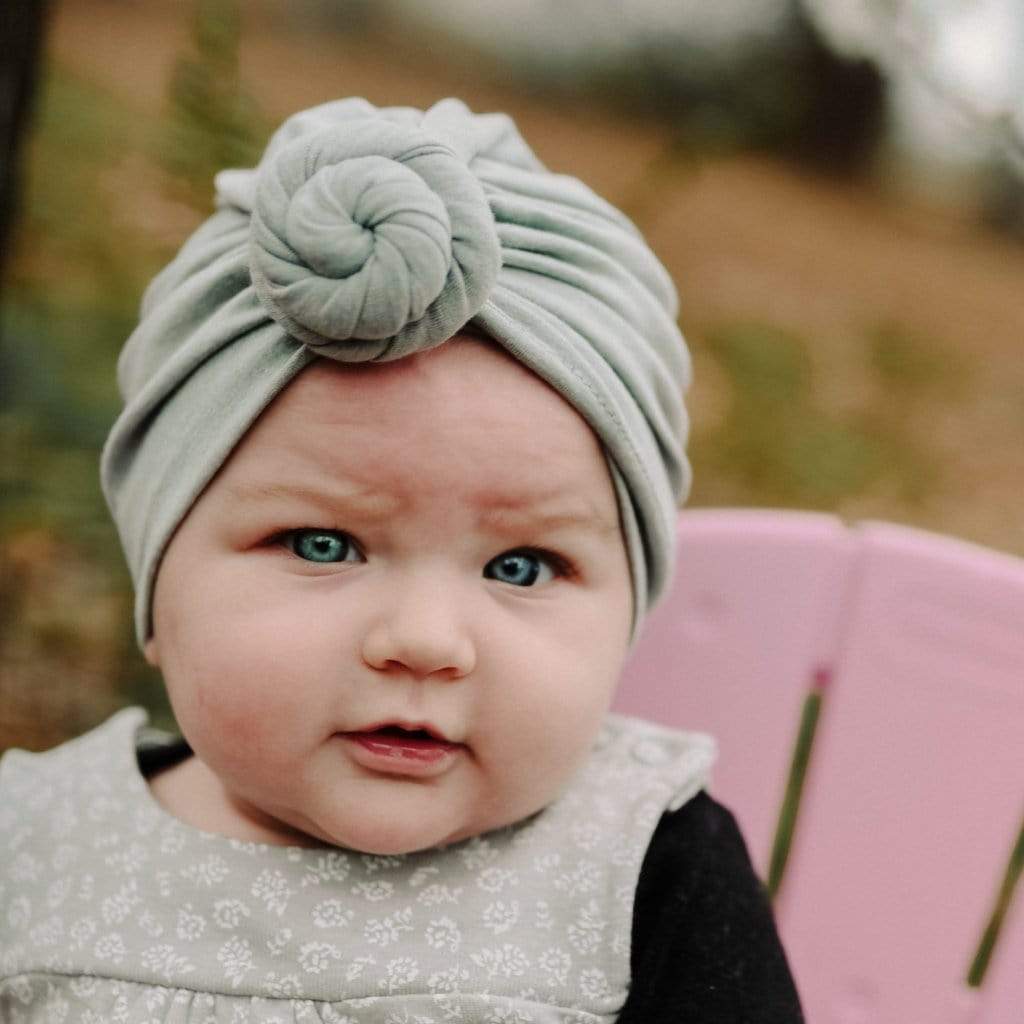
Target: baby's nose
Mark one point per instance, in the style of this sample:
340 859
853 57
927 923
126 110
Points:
424 633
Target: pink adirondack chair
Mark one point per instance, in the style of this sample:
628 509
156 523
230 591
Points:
908 839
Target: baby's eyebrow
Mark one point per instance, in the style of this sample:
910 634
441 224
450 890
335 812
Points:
355 500
514 517
505 515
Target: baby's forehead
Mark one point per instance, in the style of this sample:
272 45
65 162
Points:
462 391
468 425
466 360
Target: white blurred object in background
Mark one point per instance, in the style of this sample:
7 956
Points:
955 70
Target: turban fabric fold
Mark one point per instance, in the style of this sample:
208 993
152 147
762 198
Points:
369 234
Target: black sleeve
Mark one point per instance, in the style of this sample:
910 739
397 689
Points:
705 947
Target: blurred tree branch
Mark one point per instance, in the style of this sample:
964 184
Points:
213 121
21 35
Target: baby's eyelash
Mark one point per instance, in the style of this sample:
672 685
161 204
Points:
280 536
559 562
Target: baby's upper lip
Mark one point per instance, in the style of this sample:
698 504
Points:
408 726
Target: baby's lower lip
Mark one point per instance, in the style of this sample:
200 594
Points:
401 755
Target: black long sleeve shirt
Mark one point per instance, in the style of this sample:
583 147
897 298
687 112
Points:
705 945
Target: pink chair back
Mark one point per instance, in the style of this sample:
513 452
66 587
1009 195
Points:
914 795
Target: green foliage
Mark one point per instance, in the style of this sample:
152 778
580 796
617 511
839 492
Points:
212 122
70 305
775 446
71 242
911 363
768 367
58 398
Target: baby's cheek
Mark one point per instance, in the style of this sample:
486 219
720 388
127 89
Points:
218 715
229 702
545 721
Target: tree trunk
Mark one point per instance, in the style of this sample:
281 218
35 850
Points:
21 36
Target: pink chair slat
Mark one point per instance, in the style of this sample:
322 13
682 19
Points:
756 605
915 791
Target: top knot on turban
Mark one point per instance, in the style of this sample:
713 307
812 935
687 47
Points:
379 234
369 234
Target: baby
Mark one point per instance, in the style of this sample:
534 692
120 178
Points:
397 478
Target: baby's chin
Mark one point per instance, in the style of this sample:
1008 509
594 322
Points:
391 836
396 834
386 816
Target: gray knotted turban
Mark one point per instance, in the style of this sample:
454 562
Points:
368 234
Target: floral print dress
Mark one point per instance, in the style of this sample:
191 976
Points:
111 910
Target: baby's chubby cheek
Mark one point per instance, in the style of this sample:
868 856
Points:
234 705
537 733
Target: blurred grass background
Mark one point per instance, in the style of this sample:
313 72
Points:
857 339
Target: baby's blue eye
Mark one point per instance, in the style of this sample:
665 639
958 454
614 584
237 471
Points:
320 545
520 568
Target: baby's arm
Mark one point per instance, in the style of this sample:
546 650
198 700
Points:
705 946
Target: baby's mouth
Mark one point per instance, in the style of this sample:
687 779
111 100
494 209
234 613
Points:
394 748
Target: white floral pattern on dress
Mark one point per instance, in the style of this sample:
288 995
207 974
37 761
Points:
112 911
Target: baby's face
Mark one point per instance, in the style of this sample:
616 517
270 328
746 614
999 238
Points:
432 543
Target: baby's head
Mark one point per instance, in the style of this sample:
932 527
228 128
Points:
451 525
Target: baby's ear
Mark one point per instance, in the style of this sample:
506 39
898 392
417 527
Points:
151 652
